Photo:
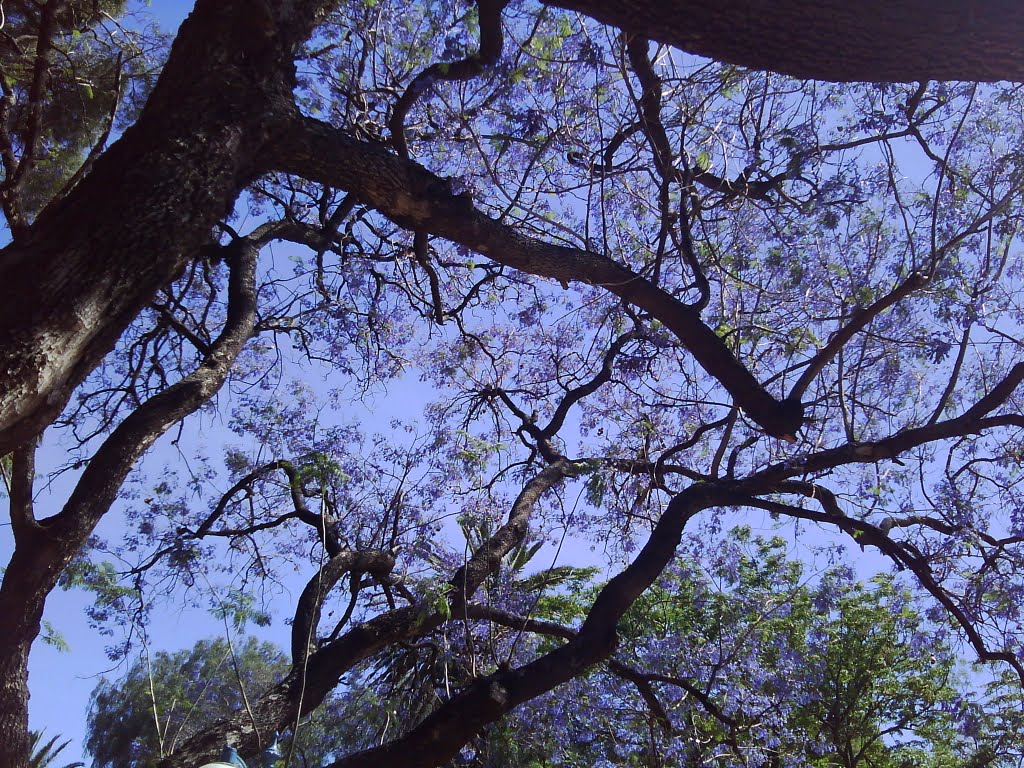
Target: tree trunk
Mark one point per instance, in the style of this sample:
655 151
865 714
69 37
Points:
44 548
91 262
29 577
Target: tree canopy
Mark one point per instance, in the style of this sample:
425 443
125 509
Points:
166 698
632 296
783 667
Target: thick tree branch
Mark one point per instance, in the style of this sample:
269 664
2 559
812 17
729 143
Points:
974 420
491 42
414 198
84 269
23 475
310 603
486 559
876 40
37 564
440 736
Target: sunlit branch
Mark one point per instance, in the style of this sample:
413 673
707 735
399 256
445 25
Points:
487 557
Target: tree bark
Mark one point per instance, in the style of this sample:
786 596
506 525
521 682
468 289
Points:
440 736
43 548
87 265
90 263
84 269
875 40
21 605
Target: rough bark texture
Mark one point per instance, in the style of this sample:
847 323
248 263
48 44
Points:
92 261
44 548
876 40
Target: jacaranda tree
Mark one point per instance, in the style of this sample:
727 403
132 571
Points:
841 673
645 293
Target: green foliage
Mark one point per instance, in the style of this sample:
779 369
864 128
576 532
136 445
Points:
110 597
45 755
876 688
821 672
162 702
239 608
81 87
53 638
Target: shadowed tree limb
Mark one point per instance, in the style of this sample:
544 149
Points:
875 40
46 547
441 735
92 260
641 680
414 198
974 420
491 42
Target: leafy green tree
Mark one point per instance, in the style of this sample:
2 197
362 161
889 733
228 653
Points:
164 700
887 682
778 670
66 103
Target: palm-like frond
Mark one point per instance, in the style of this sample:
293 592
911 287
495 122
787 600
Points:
45 755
